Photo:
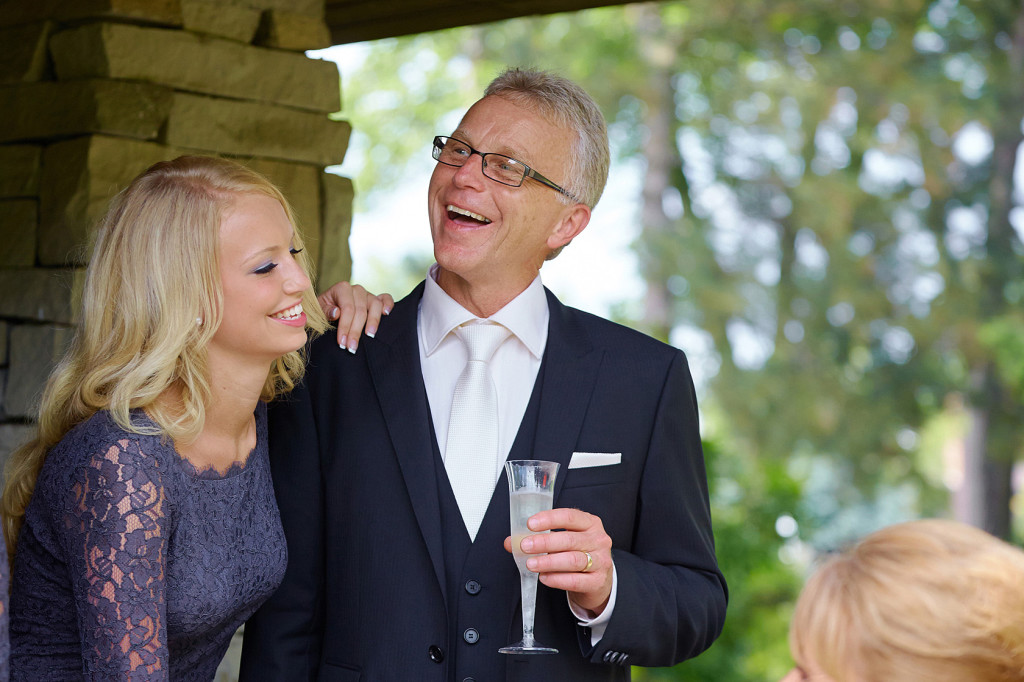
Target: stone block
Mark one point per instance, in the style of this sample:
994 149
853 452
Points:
12 437
35 349
24 57
291 31
300 184
20 166
80 176
195 63
18 225
42 294
36 111
335 257
161 12
222 19
252 129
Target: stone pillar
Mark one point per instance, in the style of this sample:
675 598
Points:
92 92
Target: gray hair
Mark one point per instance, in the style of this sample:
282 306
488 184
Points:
568 105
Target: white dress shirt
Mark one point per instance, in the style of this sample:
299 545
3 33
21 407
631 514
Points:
514 367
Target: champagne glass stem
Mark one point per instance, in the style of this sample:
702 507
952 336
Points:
528 589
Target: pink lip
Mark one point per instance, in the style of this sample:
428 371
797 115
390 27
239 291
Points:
299 321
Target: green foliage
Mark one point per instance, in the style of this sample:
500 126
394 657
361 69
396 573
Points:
1004 337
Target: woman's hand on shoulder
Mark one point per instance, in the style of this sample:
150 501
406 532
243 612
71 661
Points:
355 311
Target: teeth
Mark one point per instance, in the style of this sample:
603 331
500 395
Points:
468 214
290 313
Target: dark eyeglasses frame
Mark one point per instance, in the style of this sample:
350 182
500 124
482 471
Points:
440 141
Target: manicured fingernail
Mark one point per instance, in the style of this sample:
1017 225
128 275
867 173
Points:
526 544
352 348
387 311
334 313
341 342
371 331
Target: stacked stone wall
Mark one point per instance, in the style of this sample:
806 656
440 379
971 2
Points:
92 92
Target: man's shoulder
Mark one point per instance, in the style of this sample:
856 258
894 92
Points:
401 320
604 332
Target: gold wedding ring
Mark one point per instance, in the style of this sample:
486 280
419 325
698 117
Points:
590 561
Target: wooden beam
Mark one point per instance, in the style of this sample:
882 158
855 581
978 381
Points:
354 21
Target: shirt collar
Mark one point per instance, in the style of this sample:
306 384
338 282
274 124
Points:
526 316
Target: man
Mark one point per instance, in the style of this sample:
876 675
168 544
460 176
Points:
395 526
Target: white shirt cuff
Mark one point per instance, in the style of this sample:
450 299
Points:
600 624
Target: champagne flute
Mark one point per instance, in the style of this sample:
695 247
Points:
531 489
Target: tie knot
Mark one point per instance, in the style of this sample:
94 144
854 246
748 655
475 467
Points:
482 339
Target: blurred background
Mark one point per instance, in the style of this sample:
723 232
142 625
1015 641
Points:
819 201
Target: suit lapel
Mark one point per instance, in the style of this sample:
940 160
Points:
395 367
570 370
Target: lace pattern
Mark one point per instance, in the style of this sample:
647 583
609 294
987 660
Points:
116 538
5 644
166 562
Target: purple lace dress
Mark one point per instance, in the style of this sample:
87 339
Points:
5 644
133 565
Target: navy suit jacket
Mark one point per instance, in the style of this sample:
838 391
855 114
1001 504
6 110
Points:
365 596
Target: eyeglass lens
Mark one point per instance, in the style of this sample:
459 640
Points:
498 167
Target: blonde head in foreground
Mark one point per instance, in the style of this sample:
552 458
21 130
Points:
923 601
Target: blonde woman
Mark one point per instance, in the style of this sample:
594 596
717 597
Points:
142 514
924 601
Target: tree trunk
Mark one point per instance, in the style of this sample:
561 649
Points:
659 151
983 499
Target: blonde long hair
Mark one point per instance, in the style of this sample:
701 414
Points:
153 273
923 601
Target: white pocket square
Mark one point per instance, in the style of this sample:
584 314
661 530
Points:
581 460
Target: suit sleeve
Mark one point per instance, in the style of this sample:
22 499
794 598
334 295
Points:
283 638
671 596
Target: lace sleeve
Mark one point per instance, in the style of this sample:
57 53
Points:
115 536
5 642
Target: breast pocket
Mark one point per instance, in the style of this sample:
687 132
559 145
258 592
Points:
590 476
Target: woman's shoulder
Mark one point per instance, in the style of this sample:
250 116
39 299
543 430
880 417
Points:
101 456
101 437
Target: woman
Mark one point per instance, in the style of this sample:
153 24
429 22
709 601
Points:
5 643
924 601
142 513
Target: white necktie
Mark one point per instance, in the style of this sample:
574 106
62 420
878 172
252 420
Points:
472 447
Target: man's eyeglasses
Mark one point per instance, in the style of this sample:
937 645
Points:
497 167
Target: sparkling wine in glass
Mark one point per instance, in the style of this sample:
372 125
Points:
531 489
